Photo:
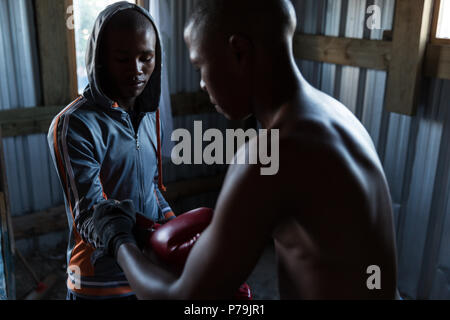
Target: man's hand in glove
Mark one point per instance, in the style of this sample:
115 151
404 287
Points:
113 223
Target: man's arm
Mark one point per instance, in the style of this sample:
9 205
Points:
225 253
72 150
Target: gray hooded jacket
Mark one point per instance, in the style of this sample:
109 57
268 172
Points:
99 156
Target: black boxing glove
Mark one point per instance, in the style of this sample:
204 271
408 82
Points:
144 229
113 222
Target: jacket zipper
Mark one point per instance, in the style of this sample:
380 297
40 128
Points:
141 180
139 173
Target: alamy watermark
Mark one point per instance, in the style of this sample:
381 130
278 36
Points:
373 22
70 22
256 151
374 281
74 274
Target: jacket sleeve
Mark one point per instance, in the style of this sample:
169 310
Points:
165 212
73 151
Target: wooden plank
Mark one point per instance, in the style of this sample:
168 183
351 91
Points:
370 54
54 219
410 36
437 62
56 41
25 121
40 223
434 23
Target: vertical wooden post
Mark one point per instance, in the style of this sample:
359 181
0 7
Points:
410 36
56 39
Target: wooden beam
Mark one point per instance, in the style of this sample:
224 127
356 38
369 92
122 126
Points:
25 121
35 224
56 42
360 53
437 62
54 219
370 54
410 36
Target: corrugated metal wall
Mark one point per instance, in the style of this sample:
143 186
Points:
415 150
32 181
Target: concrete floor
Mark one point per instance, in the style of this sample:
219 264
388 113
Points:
43 264
262 281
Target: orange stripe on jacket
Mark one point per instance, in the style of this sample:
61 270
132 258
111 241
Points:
55 146
103 189
169 214
82 251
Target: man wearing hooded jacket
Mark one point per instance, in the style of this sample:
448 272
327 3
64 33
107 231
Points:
106 145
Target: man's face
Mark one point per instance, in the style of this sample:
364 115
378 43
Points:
221 76
129 58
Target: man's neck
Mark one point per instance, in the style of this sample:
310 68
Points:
128 104
284 91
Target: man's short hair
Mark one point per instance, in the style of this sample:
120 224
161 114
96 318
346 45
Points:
256 17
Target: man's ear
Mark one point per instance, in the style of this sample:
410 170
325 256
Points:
241 47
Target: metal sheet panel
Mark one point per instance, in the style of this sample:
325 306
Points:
3 293
418 203
182 75
28 166
435 274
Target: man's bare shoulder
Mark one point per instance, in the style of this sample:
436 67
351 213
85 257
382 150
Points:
315 150
320 128
308 140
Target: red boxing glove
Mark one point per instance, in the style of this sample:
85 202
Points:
173 241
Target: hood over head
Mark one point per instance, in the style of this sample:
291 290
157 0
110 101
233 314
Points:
149 100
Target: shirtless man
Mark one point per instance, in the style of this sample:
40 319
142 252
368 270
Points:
328 209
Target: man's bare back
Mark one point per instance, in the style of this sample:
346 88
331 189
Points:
338 216
335 215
